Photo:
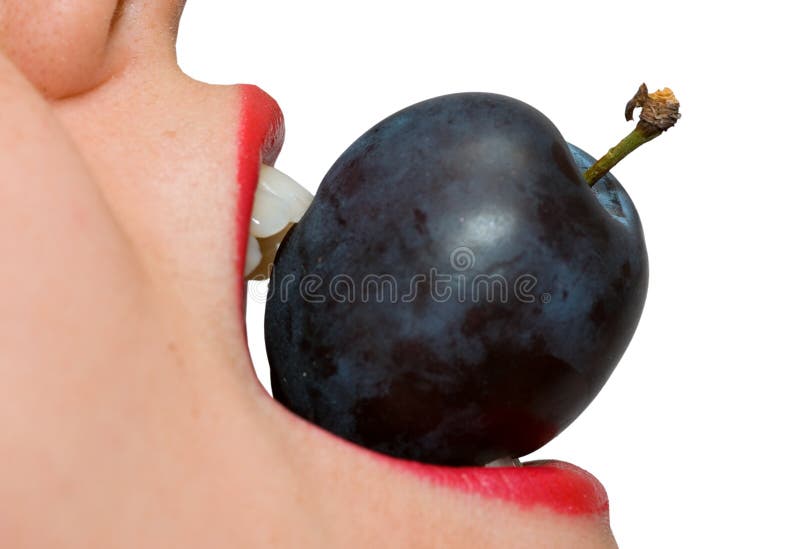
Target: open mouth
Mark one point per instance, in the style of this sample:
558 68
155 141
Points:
269 203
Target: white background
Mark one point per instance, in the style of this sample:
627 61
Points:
694 436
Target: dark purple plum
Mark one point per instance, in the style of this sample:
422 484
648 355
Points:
387 322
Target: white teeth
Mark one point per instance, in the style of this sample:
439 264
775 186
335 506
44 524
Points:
279 200
253 257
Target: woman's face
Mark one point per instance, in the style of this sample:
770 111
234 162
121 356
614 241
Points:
129 411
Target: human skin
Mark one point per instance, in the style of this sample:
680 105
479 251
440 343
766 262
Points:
129 412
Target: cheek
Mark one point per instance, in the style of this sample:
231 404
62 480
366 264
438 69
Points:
60 45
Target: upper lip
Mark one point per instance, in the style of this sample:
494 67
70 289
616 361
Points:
261 133
559 486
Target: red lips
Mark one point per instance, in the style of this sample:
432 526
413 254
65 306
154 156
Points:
261 133
559 486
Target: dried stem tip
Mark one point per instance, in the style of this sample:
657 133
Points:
659 109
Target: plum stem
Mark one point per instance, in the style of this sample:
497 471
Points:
660 111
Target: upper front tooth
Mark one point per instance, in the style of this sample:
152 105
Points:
270 214
279 200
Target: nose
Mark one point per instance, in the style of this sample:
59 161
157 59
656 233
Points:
70 47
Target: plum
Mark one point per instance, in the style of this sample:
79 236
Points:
456 292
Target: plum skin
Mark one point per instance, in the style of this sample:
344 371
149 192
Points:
449 381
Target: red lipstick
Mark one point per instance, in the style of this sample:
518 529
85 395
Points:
559 486
261 133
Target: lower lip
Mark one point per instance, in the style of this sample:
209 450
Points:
558 486
261 132
555 485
